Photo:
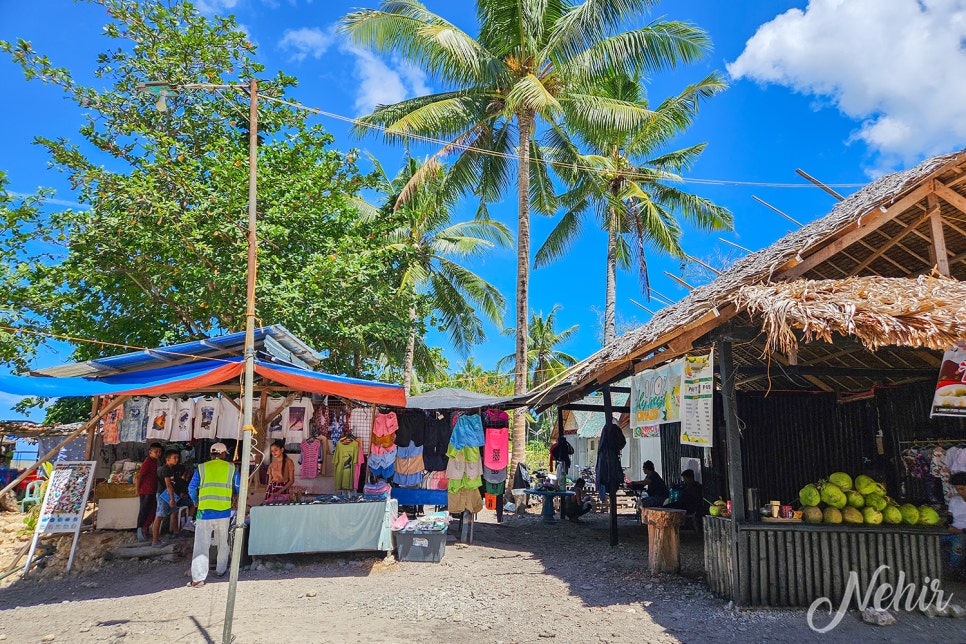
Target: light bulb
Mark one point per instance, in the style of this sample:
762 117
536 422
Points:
162 104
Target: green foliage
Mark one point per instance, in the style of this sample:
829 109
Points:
159 255
546 361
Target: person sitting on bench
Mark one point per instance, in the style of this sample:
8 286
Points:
654 485
690 498
577 505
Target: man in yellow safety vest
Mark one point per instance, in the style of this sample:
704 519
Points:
211 489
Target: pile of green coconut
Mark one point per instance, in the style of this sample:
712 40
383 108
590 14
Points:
839 499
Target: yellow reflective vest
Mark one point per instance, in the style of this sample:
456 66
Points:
217 480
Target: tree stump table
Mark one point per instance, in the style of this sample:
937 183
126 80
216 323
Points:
664 539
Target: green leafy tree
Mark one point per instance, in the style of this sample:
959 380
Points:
626 177
544 358
431 248
158 255
531 62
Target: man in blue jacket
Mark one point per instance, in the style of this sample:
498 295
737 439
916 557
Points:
212 488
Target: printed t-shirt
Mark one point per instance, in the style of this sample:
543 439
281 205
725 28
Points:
160 418
344 460
112 425
296 420
206 417
134 423
274 428
176 474
496 448
184 409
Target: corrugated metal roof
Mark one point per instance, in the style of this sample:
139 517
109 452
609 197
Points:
275 341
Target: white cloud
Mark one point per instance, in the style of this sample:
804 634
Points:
307 42
215 6
382 84
898 67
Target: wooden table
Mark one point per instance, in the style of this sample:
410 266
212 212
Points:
548 495
663 538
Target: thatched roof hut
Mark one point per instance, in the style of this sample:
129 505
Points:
825 284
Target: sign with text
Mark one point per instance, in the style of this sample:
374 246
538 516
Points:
656 395
66 498
950 397
697 401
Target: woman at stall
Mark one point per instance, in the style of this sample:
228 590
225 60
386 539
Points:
281 471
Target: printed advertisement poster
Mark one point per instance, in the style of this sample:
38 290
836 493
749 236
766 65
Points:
950 397
647 431
697 401
656 395
66 497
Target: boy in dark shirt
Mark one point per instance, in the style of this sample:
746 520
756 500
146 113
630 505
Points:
147 484
171 479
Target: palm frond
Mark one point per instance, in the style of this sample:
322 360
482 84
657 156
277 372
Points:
590 21
529 93
560 240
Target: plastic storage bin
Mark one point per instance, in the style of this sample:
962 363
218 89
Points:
420 546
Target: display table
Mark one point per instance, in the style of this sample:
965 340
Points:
793 564
548 496
321 527
117 506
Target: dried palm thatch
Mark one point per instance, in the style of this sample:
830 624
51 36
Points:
925 312
762 267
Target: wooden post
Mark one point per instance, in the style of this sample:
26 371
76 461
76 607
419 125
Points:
74 434
608 418
735 473
664 539
89 449
561 485
937 250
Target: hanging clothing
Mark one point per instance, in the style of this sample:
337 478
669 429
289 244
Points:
274 426
112 421
496 448
184 409
467 432
436 440
310 458
496 418
345 460
229 419
464 499
160 418
609 472
134 423
385 424
296 420
412 428
561 452
206 417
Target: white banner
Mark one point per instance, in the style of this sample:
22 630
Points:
697 401
66 498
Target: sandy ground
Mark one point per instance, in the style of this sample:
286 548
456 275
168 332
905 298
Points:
522 581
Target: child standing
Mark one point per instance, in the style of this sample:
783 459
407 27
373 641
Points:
147 485
171 477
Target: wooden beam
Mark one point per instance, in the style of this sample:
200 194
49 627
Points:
89 448
950 196
818 183
625 409
736 479
892 242
679 281
937 249
854 232
836 372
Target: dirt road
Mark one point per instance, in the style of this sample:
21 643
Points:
522 581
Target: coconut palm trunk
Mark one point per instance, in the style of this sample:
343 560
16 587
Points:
525 121
610 296
410 352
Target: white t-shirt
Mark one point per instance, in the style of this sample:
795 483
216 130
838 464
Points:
184 411
274 429
206 417
296 417
957 508
160 418
229 419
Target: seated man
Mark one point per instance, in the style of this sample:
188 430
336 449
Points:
690 499
653 484
956 539
577 505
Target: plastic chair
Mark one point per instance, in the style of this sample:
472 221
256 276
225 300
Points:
32 496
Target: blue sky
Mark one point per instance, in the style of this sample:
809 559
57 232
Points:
844 89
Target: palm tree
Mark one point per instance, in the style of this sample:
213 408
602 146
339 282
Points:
429 247
624 178
543 357
531 63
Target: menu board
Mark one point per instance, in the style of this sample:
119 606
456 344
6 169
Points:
697 401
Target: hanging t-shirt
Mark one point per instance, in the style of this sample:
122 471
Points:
438 431
296 420
496 448
310 458
229 419
112 422
274 428
344 461
412 428
206 417
184 411
160 418
134 423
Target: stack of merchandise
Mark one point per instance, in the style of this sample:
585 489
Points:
496 455
409 450
465 468
376 491
382 451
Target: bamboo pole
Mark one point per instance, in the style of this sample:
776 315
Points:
89 448
74 434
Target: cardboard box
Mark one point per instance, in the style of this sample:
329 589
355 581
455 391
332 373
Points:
420 546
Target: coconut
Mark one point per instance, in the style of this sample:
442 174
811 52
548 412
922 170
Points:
928 516
852 515
843 480
715 510
871 516
812 514
855 499
832 515
910 514
809 495
865 484
877 501
833 495
891 514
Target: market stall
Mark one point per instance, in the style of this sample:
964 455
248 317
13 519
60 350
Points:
826 350
192 403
